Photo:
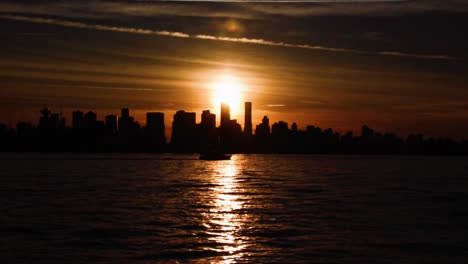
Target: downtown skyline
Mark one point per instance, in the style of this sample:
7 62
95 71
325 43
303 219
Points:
123 134
396 65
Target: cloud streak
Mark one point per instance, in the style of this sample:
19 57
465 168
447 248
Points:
73 24
233 9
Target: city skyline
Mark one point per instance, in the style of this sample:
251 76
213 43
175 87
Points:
154 120
394 65
121 133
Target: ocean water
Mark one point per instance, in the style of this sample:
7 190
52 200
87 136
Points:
135 208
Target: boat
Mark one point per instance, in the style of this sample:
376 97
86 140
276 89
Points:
214 155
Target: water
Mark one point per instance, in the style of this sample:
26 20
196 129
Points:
77 208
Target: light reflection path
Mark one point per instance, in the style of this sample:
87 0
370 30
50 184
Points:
224 221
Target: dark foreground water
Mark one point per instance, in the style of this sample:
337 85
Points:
75 208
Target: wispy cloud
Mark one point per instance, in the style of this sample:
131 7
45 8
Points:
235 8
66 23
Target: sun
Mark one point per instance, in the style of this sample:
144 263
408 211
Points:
228 89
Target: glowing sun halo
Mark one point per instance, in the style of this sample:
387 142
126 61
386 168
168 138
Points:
228 89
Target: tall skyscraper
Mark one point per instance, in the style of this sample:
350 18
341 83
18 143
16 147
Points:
208 120
263 129
125 113
154 120
125 121
183 130
225 114
77 120
155 128
111 124
90 119
248 118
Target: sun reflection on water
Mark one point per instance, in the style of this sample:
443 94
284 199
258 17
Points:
224 221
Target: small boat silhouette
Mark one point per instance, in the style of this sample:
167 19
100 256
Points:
214 155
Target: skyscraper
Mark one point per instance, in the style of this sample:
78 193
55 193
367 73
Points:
111 124
184 131
90 119
208 135
248 118
155 128
208 120
263 129
125 122
77 120
125 113
225 114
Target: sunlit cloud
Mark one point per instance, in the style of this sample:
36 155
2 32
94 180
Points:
66 23
131 30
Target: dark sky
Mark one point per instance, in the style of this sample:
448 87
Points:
394 65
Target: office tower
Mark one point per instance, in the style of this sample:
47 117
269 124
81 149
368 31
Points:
263 130
266 124
208 120
155 128
248 118
225 114
111 124
90 120
208 132
183 131
126 123
154 120
125 113
77 120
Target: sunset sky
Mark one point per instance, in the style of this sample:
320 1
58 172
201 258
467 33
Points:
397 66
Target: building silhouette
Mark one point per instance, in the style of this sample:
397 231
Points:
263 130
225 114
230 132
184 137
77 120
248 118
208 131
126 122
111 124
50 121
155 129
125 135
90 119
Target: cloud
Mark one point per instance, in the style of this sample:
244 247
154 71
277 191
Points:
234 9
401 54
132 30
66 23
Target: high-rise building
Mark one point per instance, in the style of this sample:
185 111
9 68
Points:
266 123
90 120
208 133
183 131
263 129
208 120
111 124
125 113
248 118
225 114
155 120
125 122
155 128
77 120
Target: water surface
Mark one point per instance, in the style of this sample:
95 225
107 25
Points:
134 208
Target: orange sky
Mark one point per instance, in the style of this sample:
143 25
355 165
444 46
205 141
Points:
81 66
